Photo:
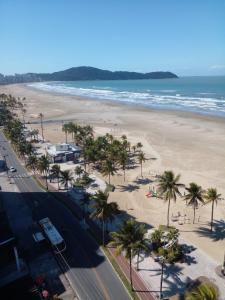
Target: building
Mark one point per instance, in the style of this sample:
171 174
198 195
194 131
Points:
14 273
62 152
2 163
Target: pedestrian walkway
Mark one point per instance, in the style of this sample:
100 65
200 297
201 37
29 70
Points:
143 292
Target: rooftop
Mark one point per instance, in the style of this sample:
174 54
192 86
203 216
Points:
61 149
6 234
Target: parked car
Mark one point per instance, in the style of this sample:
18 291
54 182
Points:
12 169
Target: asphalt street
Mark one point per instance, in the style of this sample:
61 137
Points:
90 273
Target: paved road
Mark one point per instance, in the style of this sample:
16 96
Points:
89 271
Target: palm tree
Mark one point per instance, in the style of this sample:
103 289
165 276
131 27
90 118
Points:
55 172
140 245
65 128
139 146
103 210
128 237
85 201
156 238
65 178
78 171
108 168
213 197
168 187
41 116
32 163
195 195
122 160
203 292
43 167
141 159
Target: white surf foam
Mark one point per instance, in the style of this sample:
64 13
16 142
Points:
147 98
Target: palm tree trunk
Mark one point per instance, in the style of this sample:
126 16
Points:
109 178
141 169
212 215
124 174
194 214
46 180
131 279
168 214
42 132
138 260
66 136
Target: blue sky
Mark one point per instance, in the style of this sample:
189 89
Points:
186 37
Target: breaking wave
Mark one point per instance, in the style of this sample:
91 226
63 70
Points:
167 99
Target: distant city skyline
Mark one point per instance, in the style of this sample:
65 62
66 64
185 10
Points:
184 37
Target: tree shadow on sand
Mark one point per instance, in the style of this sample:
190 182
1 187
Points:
217 234
172 277
143 181
128 188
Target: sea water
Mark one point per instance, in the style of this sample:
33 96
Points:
196 94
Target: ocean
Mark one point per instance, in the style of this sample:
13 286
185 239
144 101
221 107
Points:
194 94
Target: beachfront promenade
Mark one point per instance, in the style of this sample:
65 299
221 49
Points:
176 276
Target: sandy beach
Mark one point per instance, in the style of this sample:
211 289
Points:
189 144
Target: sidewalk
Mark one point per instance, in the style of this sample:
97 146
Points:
139 286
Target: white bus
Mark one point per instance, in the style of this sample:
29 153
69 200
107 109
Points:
53 235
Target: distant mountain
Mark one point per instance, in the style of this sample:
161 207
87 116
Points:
83 73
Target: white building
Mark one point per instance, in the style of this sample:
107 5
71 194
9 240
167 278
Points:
62 152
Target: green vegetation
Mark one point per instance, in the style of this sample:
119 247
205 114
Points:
211 196
129 238
83 73
165 243
194 196
43 167
55 173
66 178
141 159
204 291
104 153
84 180
168 188
103 210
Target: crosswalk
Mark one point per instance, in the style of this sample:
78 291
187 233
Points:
24 175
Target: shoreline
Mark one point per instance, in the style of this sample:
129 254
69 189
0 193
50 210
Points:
138 106
189 144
